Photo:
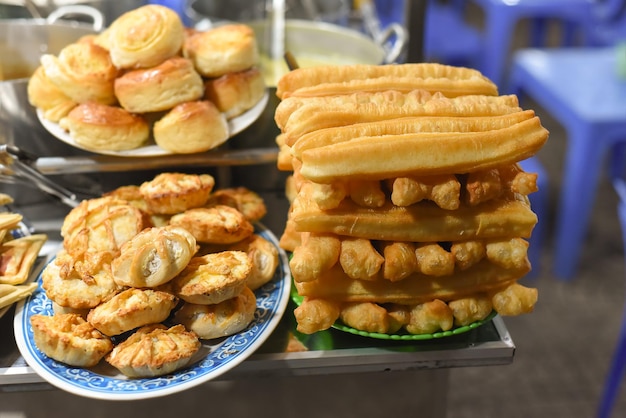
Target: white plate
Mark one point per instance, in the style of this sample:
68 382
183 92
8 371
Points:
215 357
235 126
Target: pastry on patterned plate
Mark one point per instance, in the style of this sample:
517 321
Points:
70 339
249 203
170 193
218 224
264 257
153 257
213 278
131 309
220 319
154 350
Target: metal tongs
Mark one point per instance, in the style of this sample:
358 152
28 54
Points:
17 162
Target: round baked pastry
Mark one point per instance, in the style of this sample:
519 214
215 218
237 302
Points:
159 88
224 49
78 283
264 257
221 319
217 224
191 127
213 278
249 203
153 257
83 71
70 339
44 95
105 128
170 193
130 309
101 224
145 37
235 93
154 350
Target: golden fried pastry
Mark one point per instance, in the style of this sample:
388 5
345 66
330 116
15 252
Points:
223 49
213 278
316 314
326 196
314 255
264 257
333 80
17 257
191 127
429 317
43 94
366 316
83 72
444 190
400 260
467 253
102 127
483 185
154 350
219 224
131 194
153 257
434 260
159 88
514 300
249 203
511 253
221 319
130 309
78 283
359 259
470 309
100 224
70 339
170 193
492 219
235 92
145 37
411 154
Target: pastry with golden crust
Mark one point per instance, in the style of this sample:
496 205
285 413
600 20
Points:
223 49
170 193
130 309
235 92
246 201
102 127
220 319
81 283
70 339
264 257
153 257
213 278
101 225
17 257
159 88
43 94
145 37
154 350
83 71
190 127
217 224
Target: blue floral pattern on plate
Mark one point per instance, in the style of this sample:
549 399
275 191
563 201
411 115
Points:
214 358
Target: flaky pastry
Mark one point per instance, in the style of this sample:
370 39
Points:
219 224
170 193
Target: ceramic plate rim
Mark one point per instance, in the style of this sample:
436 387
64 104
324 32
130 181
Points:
235 126
165 385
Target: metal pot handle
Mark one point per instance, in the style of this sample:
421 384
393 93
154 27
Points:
396 33
77 9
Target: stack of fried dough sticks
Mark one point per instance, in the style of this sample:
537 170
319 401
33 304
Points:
409 212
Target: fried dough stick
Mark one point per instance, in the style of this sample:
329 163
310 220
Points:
316 315
444 190
359 259
316 255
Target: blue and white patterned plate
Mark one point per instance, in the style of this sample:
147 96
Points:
214 358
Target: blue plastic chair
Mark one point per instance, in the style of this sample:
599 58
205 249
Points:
580 88
617 367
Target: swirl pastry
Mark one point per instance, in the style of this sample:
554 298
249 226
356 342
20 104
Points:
97 126
145 37
153 257
70 339
83 71
154 350
236 92
221 319
224 49
159 88
131 309
191 127
43 94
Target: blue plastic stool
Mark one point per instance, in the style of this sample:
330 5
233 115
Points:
579 87
617 368
539 203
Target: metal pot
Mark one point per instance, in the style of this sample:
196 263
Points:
24 41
